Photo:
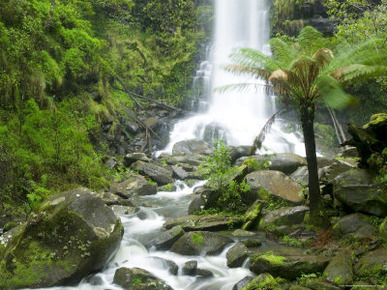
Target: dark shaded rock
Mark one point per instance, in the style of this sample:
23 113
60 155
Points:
160 174
137 278
110 199
370 199
190 160
383 229
288 267
354 176
204 222
350 224
166 239
339 270
284 216
68 237
189 268
237 255
130 158
372 264
196 205
274 184
192 147
242 283
134 184
252 243
237 152
204 273
200 243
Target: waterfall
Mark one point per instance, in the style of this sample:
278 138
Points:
235 116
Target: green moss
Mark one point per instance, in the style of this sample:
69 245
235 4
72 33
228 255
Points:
168 187
264 281
197 238
271 258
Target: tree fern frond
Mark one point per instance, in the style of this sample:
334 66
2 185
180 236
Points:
323 56
254 58
282 51
332 92
358 71
239 87
246 70
309 40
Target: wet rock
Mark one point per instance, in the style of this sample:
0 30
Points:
200 243
372 264
130 158
350 224
192 147
204 273
68 237
166 239
205 223
189 268
196 205
370 199
237 152
121 210
134 185
339 270
301 175
237 255
283 162
242 233
274 184
137 278
190 160
354 176
110 199
242 283
288 267
162 263
179 172
160 174
252 243
207 198
253 215
284 216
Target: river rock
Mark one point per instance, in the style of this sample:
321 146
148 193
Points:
370 199
166 239
242 283
137 278
110 199
284 162
284 216
274 184
163 264
372 264
179 172
189 268
351 224
68 237
253 215
237 255
288 267
160 174
192 147
200 243
339 270
204 222
134 185
130 158
191 161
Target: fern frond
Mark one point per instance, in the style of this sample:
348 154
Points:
239 87
247 70
282 51
332 92
254 58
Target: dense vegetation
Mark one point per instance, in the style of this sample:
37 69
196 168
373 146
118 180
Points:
66 67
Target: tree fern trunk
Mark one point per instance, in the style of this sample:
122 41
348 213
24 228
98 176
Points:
307 113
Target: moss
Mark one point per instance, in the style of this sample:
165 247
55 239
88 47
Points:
168 187
197 238
270 258
264 281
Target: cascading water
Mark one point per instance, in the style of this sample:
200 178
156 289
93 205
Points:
235 116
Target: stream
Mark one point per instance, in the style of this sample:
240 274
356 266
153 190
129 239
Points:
134 251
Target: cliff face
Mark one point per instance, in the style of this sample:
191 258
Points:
290 16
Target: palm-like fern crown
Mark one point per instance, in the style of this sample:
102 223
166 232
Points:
306 71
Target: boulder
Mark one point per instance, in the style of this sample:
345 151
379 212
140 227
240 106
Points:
370 199
68 237
372 264
166 239
179 172
274 184
284 162
189 268
242 283
253 215
160 174
237 255
200 243
189 162
351 224
339 270
134 185
137 278
288 267
130 158
284 216
110 199
354 176
192 147
162 263
205 223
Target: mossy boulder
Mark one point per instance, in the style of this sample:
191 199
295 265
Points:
134 184
370 199
200 243
68 237
351 225
372 265
284 216
237 255
166 239
253 215
267 184
139 279
162 175
288 267
339 271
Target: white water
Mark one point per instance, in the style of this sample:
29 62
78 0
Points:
235 116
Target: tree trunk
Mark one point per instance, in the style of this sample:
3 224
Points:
307 113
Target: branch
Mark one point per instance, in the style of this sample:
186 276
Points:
128 92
